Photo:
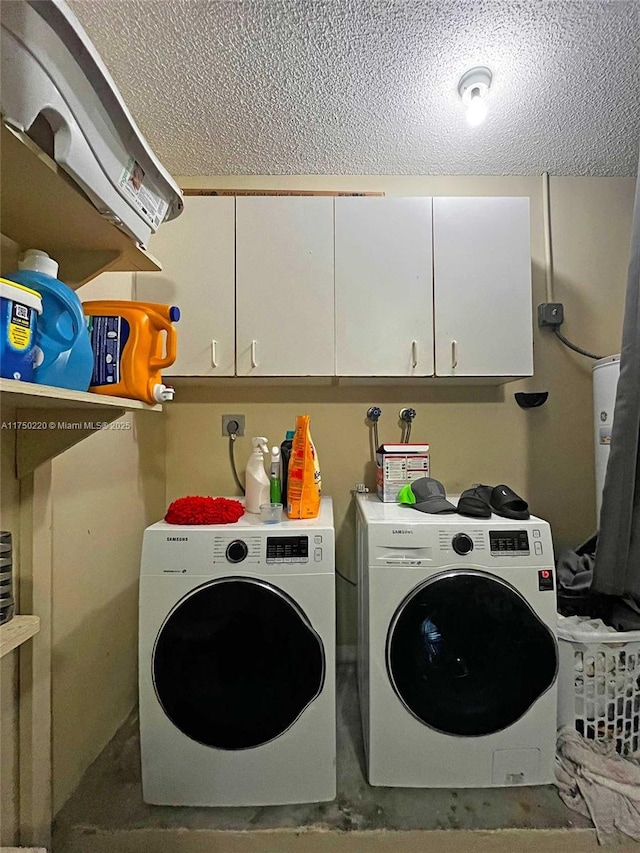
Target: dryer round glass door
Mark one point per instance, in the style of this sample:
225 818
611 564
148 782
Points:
236 662
467 655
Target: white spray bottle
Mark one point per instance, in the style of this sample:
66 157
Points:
256 480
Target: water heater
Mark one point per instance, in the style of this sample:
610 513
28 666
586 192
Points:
605 381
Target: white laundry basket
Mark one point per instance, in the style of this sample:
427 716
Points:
599 682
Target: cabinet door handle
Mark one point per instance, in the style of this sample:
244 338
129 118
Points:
214 354
254 347
414 353
454 354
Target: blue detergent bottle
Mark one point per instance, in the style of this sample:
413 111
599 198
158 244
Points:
63 354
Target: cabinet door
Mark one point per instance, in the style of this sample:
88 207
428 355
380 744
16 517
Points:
482 287
284 286
197 254
384 287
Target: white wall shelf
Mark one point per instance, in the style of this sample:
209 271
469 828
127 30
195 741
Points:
17 631
46 420
42 208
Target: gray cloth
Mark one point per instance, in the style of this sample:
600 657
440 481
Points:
575 568
617 563
575 571
625 615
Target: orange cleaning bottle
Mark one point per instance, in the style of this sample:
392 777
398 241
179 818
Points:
304 488
132 343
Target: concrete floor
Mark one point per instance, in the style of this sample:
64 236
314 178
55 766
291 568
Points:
107 813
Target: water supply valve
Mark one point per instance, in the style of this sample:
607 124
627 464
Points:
373 415
406 416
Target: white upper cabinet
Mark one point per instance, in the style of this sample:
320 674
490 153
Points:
348 286
284 286
197 253
482 287
384 287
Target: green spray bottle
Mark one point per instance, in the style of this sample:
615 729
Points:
275 492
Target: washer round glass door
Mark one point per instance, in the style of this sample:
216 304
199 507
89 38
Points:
236 662
467 655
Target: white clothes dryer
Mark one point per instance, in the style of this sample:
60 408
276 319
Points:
457 654
237 662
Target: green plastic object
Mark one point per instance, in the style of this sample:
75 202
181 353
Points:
406 496
275 493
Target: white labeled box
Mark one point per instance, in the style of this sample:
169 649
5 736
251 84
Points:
397 465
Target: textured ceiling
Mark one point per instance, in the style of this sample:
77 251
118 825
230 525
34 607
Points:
370 86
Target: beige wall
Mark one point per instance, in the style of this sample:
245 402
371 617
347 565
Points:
105 490
477 434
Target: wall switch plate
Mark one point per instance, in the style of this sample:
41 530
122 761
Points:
231 424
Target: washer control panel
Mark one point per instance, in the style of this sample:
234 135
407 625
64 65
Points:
288 549
238 550
509 543
245 547
272 550
462 542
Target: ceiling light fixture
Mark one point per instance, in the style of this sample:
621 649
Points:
473 89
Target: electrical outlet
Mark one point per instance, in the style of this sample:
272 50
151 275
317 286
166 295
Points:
232 424
550 314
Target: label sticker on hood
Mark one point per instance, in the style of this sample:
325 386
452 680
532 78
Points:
150 205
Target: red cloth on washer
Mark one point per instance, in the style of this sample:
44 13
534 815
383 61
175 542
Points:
195 509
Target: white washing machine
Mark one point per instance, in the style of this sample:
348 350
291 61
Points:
237 662
457 654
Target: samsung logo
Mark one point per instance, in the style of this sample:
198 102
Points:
177 538
402 531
